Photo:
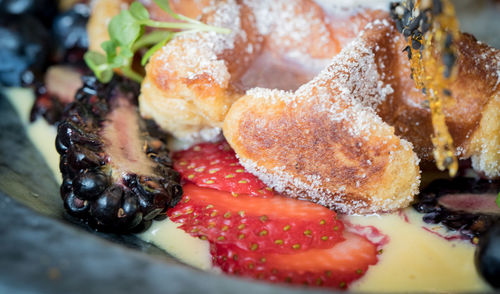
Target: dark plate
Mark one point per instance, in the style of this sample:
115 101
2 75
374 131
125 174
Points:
42 250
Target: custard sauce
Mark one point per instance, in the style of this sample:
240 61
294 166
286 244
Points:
414 260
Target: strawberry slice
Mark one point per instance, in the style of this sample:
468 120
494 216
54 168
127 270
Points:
335 267
214 165
264 225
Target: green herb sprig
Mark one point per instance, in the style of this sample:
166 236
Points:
498 199
127 36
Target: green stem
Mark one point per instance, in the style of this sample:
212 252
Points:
150 39
128 72
184 26
186 32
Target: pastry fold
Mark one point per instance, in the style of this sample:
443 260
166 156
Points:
325 142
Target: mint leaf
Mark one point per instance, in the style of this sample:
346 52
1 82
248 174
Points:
119 61
106 75
498 199
109 48
124 29
126 53
98 64
94 59
138 11
127 36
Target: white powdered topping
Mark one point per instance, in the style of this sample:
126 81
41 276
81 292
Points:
204 135
352 6
353 78
224 15
272 96
304 60
497 59
482 162
198 54
289 21
284 182
348 91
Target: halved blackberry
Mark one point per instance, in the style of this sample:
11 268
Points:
55 91
117 173
466 205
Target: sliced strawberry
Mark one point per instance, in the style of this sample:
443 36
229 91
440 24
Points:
276 224
214 165
335 267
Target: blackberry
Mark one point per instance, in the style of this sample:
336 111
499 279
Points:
56 85
487 257
25 45
44 10
56 91
465 205
117 173
69 27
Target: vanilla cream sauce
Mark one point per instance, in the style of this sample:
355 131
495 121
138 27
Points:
414 260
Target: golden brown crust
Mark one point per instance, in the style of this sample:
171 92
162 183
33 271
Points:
323 142
194 68
484 146
330 141
473 91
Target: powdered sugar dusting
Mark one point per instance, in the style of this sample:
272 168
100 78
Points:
289 21
345 6
348 91
224 15
198 53
353 78
284 182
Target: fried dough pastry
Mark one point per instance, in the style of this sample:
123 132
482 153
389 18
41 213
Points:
192 82
345 138
473 118
324 142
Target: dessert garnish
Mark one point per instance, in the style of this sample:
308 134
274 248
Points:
128 34
117 173
430 28
257 233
